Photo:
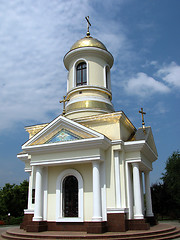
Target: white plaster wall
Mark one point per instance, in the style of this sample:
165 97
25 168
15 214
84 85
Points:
86 172
96 70
110 130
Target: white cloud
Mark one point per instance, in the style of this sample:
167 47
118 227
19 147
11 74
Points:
143 86
34 37
170 74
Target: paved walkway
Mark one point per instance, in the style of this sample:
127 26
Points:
174 223
5 228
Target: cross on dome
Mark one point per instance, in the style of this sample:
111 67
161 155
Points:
88 25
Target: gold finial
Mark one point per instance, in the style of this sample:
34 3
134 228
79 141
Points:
143 123
88 24
64 101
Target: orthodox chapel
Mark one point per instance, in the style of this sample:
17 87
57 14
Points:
88 168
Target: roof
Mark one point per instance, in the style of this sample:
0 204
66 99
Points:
88 41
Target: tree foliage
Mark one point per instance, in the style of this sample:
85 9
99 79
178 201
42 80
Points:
166 195
13 199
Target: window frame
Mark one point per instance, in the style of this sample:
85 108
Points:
81 70
75 72
107 77
59 197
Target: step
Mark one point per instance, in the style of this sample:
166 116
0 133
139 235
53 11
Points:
168 233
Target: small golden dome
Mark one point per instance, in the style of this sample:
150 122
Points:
88 41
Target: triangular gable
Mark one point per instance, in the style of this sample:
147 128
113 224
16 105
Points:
63 136
150 141
62 129
147 136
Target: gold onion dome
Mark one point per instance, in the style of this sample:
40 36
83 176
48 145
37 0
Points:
88 41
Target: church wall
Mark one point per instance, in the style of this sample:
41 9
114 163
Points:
96 70
125 132
86 172
96 76
110 130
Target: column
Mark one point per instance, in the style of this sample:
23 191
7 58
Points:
38 195
117 179
142 191
30 191
96 192
149 212
137 192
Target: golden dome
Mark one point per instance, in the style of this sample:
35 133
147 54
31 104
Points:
88 41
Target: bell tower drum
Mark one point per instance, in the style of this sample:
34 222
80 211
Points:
89 84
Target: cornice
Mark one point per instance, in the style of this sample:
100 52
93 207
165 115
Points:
89 143
88 50
140 146
85 159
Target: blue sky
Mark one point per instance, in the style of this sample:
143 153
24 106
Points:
143 37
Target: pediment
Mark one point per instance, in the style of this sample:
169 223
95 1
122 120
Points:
150 141
61 130
147 136
64 135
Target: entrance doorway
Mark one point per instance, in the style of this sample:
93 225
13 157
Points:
70 196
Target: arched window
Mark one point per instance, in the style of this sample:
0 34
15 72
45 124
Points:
81 74
107 76
70 196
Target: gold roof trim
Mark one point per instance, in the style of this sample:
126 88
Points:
32 130
111 117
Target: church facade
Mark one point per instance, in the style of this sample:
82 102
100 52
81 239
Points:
88 168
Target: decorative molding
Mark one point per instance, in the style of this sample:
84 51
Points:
117 210
142 147
68 160
28 211
66 123
70 145
104 54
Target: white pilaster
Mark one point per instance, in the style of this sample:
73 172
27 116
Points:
45 192
30 191
117 179
96 192
149 212
38 195
137 192
129 190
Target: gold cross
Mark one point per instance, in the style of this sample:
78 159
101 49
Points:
142 113
64 101
88 24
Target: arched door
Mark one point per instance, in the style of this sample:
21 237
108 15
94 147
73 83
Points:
70 196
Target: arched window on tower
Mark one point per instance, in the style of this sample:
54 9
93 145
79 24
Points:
107 76
81 74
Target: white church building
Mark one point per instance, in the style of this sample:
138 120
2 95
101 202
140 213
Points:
88 168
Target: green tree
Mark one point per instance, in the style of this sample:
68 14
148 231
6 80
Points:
159 200
171 181
13 199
